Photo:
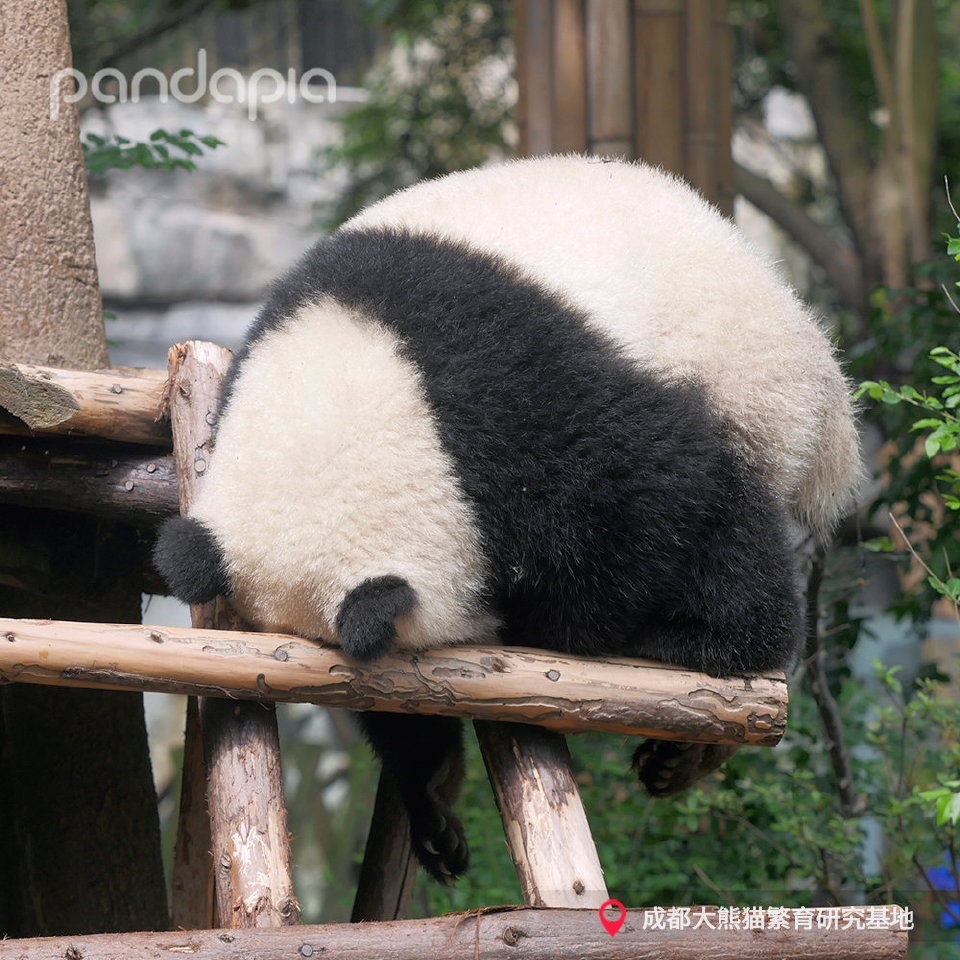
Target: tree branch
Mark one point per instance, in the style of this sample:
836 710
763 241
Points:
842 122
850 804
169 20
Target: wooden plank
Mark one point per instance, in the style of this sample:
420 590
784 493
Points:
543 817
563 693
110 404
569 77
504 933
658 82
609 87
247 824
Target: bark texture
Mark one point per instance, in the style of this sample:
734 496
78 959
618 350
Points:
50 308
562 693
503 934
543 816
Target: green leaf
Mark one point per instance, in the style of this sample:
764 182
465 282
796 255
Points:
878 545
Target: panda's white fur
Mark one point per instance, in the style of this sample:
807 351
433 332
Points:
337 402
655 266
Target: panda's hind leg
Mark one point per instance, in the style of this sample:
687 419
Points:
425 756
665 767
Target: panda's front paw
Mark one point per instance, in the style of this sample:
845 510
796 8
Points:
666 767
366 619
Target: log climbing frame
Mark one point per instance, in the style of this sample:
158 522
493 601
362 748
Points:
233 889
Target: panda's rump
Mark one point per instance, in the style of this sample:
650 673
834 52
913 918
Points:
330 473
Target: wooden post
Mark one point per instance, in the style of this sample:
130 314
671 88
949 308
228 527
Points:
535 73
543 816
246 830
701 94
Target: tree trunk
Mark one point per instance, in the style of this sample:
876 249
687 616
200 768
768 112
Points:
80 848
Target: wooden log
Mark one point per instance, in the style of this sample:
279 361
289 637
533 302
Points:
194 372
247 834
389 870
126 484
248 815
506 934
563 693
543 817
609 88
109 404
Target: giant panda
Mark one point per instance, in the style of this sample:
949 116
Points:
558 403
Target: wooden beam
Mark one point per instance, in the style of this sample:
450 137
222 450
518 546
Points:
543 817
563 693
136 485
506 934
110 404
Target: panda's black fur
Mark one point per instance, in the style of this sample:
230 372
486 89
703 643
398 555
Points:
615 516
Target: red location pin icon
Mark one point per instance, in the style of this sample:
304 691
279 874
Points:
613 926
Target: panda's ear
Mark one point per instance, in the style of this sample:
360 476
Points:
366 617
190 560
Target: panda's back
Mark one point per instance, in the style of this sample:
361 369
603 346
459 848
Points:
407 407
673 282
